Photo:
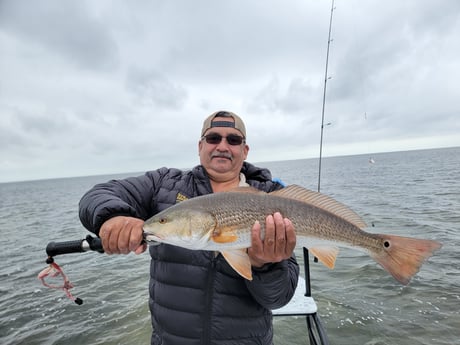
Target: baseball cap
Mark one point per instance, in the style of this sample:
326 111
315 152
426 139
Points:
237 124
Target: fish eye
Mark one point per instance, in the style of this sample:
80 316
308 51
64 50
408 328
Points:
162 220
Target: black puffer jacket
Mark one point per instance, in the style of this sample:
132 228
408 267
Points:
196 298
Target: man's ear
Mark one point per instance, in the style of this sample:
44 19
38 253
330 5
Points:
246 151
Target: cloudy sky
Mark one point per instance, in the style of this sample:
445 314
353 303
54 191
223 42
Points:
96 87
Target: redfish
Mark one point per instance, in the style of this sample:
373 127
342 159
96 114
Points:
222 222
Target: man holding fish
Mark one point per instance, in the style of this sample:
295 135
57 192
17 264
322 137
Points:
201 295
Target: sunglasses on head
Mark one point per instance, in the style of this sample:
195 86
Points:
232 139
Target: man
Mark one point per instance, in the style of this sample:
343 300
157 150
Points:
196 298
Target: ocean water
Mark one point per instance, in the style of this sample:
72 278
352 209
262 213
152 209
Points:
414 193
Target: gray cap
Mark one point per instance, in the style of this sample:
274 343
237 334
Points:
237 124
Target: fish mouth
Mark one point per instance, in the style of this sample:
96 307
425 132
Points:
152 240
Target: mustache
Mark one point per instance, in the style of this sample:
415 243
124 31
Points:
222 155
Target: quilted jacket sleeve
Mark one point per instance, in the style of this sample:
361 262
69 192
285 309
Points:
134 197
273 285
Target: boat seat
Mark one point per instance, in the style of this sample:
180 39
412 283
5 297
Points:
299 304
302 304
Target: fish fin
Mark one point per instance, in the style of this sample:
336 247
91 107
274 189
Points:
239 260
327 255
224 237
321 201
403 256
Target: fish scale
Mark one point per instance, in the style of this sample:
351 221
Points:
240 213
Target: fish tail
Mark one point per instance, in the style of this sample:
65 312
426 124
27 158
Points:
403 256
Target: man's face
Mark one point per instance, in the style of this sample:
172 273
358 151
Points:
222 160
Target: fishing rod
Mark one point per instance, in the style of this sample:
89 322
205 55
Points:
326 78
89 243
55 272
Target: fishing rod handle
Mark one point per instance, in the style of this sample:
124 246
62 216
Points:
77 246
58 248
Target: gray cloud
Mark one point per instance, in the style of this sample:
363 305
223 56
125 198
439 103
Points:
154 87
66 28
101 86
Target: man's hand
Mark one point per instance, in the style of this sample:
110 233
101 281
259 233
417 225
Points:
278 244
121 235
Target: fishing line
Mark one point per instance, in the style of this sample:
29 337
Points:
55 271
